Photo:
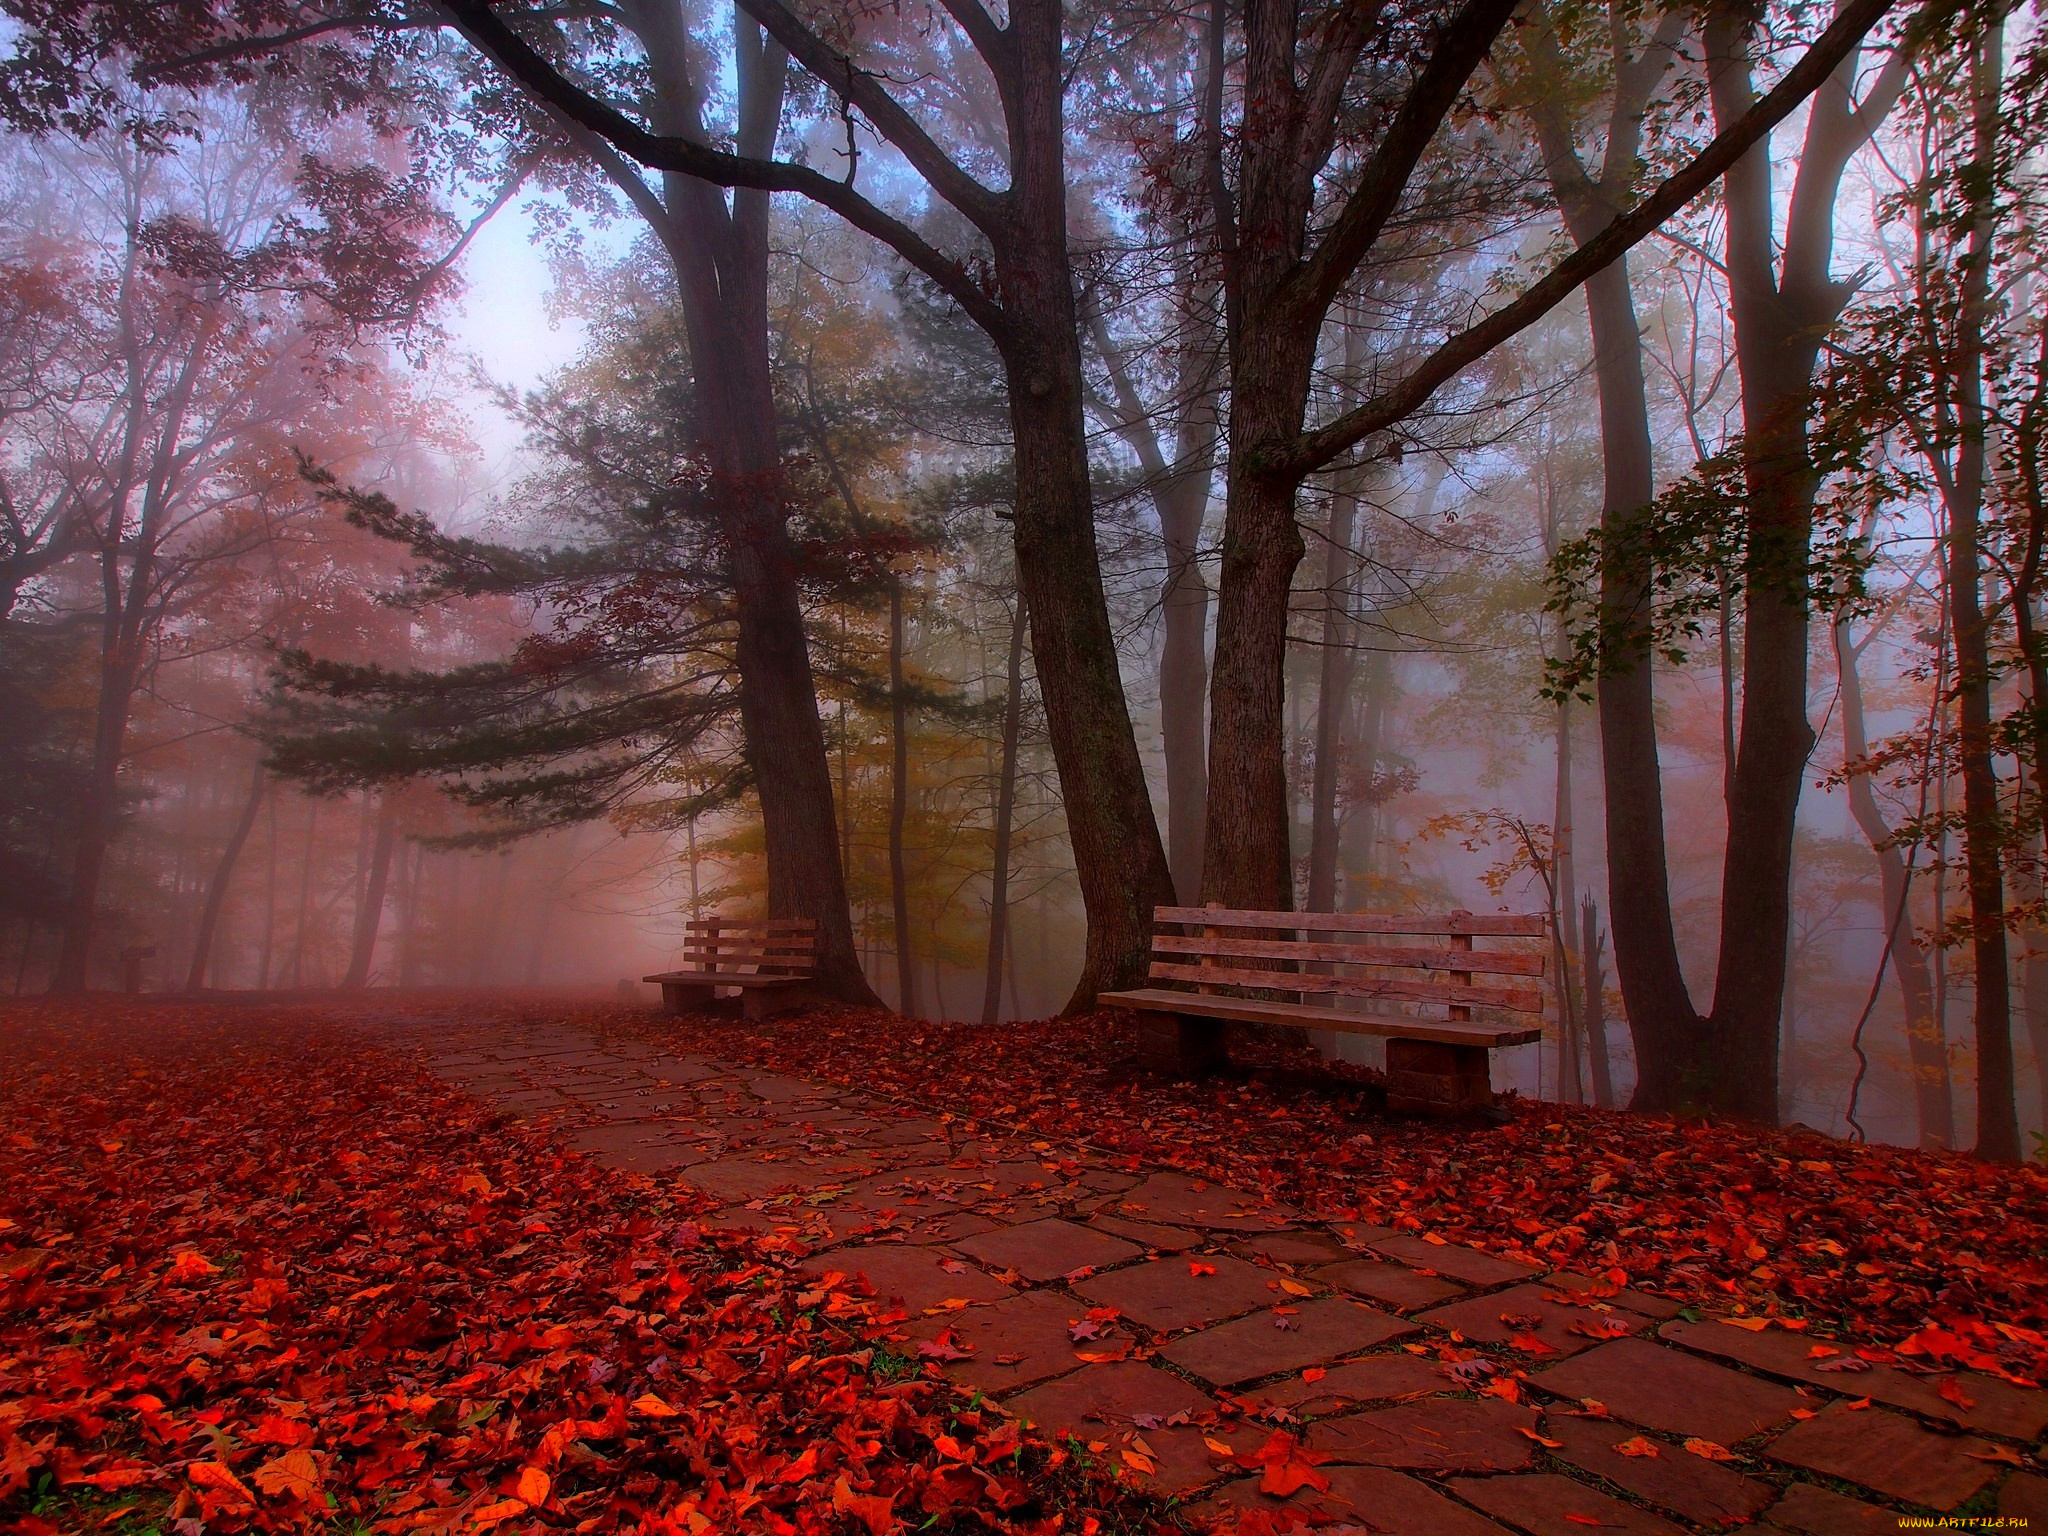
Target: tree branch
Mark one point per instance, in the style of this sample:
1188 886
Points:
519 59
1462 45
981 207
1314 449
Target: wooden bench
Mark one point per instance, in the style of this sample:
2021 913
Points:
766 962
1257 967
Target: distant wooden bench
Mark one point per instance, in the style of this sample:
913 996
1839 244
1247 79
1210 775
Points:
1251 966
767 962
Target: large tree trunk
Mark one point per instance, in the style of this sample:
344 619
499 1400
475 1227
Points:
1667 1029
1669 1033
1119 859
1246 858
1006 805
720 257
1926 1047
370 910
217 886
899 806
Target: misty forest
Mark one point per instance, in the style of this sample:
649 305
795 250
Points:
1023 765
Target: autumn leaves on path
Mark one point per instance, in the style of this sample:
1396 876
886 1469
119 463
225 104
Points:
258 1273
1257 1363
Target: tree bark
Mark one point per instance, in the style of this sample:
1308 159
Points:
1006 804
899 806
217 886
1998 1135
1926 1045
1593 1002
720 258
97 811
1338 665
370 910
305 891
1119 859
1571 1082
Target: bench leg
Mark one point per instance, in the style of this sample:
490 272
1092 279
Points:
1180 1043
1425 1077
766 1002
681 997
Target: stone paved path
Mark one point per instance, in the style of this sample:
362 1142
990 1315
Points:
1122 1308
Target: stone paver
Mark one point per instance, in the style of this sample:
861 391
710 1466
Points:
1134 1408
1373 1499
1167 1295
1545 1504
920 1278
1657 1387
1176 1200
1454 1435
1298 1249
1049 1249
1009 1344
1454 1260
1377 1378
1691 1487
1392 1285
1998 1407
1528 1319
1282 1339
1146 1234
1888 1452
1823 1512
845 1181
2025 1494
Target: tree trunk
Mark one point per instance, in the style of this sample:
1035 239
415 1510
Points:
305 892
1668 1030
1184 676
720 257
269 894
1593 1001
217 887
1246 859
1006 803
370 910
1571 1082
1339 663
899 806
1998 1135
1927 1049
97 811
412 867
1119 860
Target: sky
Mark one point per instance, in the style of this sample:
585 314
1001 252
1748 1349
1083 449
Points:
505 325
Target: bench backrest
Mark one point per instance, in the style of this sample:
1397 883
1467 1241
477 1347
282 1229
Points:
1354 955
775 946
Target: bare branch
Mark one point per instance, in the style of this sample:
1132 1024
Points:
1314 449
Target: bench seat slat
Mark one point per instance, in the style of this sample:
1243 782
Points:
1499 925
1473 961
801 951
1251 1010
1518 999
748 926
724 979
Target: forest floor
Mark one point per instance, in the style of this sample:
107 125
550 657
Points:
502 1262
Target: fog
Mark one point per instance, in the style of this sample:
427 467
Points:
426 567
